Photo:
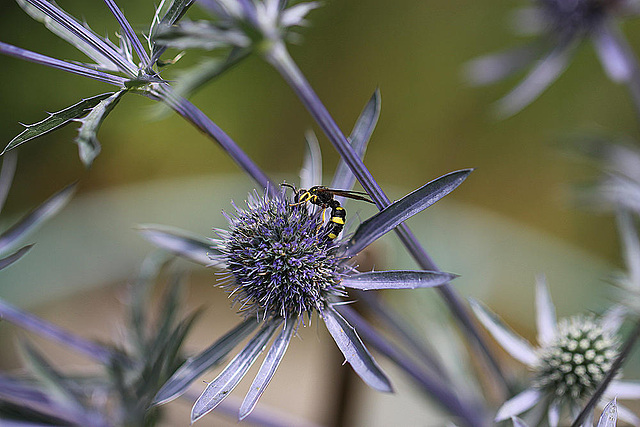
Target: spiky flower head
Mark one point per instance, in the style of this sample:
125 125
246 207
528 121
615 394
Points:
279 259
573 364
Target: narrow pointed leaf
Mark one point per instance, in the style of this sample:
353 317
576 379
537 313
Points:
8 260
56 120
403 279
197 365
609 416
193 79
495 67
59 64
518 404
36 217
174 13
179 242
268 368
25 395
52 332
9 163
311 172
354 351
613 52
229 378
80 36
140 294
539 79
403 209
88 145
513 343
545 312
518 422
360 136
55 383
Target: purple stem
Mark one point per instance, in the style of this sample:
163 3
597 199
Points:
280 59
191 113
398 327
128 31
613 371
443 394
38 58
50 331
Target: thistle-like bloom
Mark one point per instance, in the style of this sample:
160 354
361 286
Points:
282 265
560 26
572 359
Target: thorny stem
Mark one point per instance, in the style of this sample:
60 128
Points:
615 367
191 113
278 56
433 386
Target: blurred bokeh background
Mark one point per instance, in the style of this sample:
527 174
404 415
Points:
514 217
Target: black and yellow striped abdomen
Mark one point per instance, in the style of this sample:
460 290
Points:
337 220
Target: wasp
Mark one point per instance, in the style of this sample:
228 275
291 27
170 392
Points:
322 196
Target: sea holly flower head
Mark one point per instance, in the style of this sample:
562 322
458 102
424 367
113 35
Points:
559 26
279 259
238 24
572 359
283 262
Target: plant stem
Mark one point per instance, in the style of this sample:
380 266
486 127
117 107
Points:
434 387
191 113
615 367
278 56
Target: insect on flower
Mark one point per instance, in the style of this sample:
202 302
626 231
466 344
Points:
324 197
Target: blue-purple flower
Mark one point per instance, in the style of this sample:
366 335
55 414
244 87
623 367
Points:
572 358
560 27
280 267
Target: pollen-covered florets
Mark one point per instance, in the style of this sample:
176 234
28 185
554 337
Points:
279 259
576 361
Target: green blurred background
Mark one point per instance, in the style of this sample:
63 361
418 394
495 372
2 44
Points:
431 121
514 217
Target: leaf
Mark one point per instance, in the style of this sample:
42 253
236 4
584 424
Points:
7 172
311 172
201 35
223 384
609 415
52 332
179 242
360 135
51 378
174 13
80 36
354 350
210 68
36 217
268 368
513 343
405 279
403 209
542 75
140 294
56 120
197 365
8 260
88 145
